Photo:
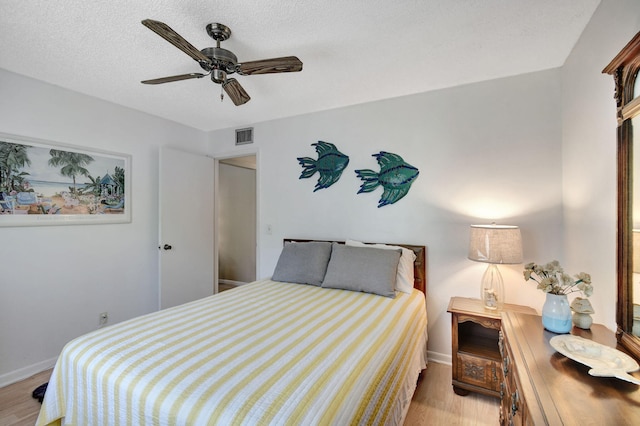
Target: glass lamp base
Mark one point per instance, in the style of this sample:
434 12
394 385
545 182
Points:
492 288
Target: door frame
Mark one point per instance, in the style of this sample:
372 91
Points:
216 193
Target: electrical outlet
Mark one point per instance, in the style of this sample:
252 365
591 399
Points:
103 318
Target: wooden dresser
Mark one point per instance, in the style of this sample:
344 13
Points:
542 386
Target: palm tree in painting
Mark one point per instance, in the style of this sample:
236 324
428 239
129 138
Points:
73 164
13 157
118 177
93 186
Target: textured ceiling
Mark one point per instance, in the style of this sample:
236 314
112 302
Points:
353 51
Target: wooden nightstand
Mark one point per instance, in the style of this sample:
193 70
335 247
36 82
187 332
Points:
475 355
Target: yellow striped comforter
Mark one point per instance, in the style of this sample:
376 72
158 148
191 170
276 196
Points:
264 353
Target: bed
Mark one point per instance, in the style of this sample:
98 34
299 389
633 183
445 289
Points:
269 352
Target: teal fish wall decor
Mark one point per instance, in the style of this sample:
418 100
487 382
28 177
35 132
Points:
395 176
330 165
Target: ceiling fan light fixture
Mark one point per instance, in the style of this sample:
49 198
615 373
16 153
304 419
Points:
219 76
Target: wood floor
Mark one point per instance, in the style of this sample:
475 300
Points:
434 402
17 407
223 287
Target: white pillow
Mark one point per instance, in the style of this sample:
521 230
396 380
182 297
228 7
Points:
404 276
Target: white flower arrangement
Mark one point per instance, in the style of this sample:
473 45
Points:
551 278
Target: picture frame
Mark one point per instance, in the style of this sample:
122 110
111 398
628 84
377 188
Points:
50 183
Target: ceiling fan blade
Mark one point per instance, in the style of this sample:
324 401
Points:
235 91
268 66
174 78
164 31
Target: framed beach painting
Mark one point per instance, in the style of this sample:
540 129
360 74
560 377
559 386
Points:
45 183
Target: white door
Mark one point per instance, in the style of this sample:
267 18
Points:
186 227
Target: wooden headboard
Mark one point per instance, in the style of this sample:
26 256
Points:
419 265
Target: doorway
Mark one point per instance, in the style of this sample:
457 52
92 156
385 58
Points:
236 208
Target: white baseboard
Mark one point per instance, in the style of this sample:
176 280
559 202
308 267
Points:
231 282
26 372
438 357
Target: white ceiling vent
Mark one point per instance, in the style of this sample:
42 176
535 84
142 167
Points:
244 136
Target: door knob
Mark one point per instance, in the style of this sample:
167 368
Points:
167 247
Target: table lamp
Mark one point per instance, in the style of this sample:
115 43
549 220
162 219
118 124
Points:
494 244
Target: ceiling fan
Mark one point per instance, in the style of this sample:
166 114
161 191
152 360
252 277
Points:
219 62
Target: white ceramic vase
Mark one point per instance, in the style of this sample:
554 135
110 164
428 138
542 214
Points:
556 313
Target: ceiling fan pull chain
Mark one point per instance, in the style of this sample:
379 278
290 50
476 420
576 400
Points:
221 94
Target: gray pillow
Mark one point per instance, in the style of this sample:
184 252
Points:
365 269
303 263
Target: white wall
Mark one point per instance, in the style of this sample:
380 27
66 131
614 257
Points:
55 280
589 151
487 151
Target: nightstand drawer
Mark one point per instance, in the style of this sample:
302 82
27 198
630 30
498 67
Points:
478 371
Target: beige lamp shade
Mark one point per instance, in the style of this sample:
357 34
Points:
495 244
